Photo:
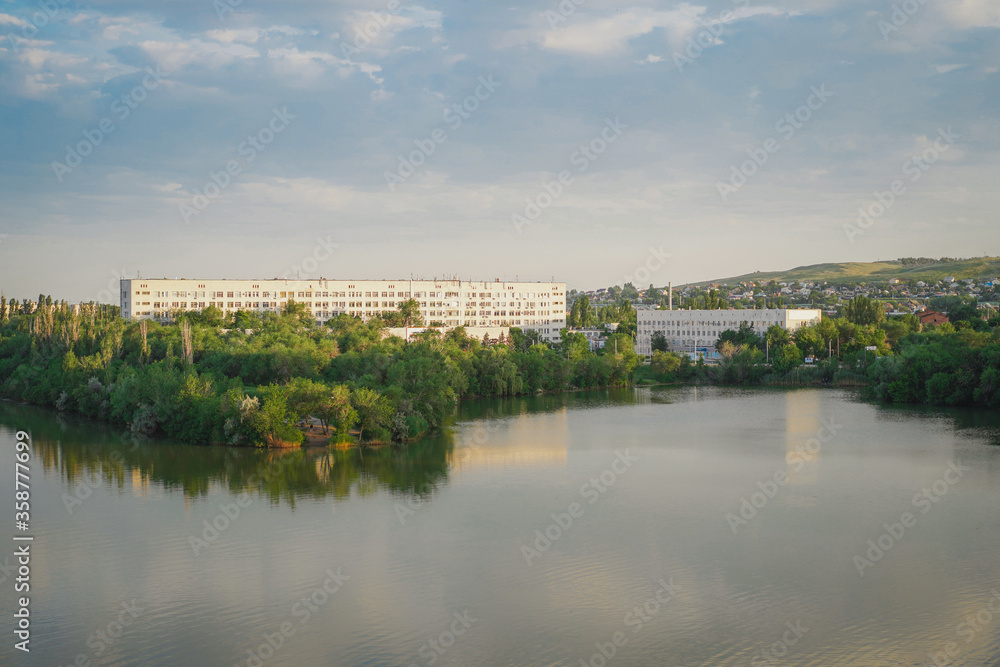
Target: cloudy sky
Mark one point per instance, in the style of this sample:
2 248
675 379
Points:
241 138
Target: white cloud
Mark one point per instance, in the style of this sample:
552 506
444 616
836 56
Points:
36 85
944 69
973 13
37 58
309 65
251 35
376 29
175 55
611 34
650 59
7 19
243 35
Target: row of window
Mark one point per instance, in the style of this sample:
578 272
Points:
310 295
728 324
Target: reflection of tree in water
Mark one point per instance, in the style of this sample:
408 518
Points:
81 451
508 406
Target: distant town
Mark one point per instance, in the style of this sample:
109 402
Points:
909 296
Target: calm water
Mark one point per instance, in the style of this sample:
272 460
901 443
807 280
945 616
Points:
430 555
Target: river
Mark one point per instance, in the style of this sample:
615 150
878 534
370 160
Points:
663 526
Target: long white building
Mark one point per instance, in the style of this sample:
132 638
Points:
529 305
696 331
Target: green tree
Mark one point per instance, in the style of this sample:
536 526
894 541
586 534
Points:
374 412
585 315
272 420
337 410
862 310
658 342
809 341
666 363
629 292
776 336
786 358
574 345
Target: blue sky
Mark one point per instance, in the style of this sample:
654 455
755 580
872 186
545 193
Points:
239 138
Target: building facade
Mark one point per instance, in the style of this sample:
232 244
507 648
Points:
695 332
529 305
932 317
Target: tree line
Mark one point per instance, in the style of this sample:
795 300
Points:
254 379
954 363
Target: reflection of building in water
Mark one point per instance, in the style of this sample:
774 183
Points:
802 445
140 483
523 441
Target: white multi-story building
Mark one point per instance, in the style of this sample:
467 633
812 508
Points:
529 305
696 331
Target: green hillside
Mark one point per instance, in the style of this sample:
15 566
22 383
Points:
875 272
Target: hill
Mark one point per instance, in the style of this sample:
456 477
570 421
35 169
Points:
875 272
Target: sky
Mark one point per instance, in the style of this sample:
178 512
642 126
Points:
585 141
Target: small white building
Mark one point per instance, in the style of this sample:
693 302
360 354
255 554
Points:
696 331
595 337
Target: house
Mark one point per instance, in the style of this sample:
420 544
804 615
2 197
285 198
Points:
932 317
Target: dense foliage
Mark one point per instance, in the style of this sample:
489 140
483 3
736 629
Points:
955 363
248 379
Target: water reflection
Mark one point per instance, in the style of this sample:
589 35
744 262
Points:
802 438
84 451
527 442
81 452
